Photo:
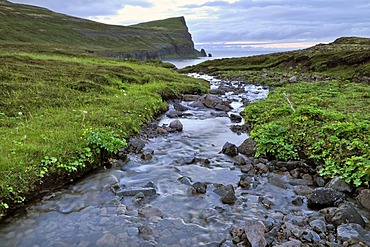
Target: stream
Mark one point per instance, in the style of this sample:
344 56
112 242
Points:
154 201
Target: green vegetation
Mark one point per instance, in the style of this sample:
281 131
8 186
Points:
44 30
61 114
322 116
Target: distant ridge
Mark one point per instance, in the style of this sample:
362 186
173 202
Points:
29 25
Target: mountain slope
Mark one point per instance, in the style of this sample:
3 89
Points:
23 25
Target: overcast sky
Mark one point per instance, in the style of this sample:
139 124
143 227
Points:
252 22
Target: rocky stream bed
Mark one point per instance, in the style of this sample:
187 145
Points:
190 180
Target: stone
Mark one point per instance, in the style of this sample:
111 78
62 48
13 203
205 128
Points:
224 189
146 232
347 214
176 125
121 210
324 197
223 107
255 233
180 107
240 129
150 212
134 191
219 114
200 188
136 145
363 198
292 243
311 236
190 97
245 182
298 201
293 79
147 155
239 160
197 104
235 118
353 233
210 101
340 185
248 169
277 181
161 131
320 181
261 168
318 226
248 147
229 198
230 149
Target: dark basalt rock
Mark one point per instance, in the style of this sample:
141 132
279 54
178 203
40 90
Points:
324 197
230 149
248 147
347 214
134 191
235 118
364 198
339 184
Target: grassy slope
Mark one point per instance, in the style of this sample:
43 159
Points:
59 113
28 25
330 124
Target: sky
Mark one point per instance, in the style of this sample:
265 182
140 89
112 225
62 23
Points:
234 23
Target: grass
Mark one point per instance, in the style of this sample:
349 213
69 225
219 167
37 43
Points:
328 126
60 114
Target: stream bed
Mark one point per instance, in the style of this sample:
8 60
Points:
175 193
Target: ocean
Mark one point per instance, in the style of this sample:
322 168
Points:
219 54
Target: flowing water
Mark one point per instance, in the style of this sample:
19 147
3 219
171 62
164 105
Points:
89 213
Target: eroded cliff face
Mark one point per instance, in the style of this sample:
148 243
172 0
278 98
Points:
26 24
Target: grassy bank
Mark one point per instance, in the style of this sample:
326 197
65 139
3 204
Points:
59 114
319 111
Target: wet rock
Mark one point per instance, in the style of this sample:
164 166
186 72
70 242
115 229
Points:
277 181
245 182
150 212
292 243
229 197
261 168
210 101
340 185
324 197
240 129
185 180
223 107
255 233
121 210
136 145
353 233
139 198
347 214
292 230
248 169
222 190
311 236
238 235
235 118
106 240
363 198
180 107
229 149
200 188
219 114
293 79
176 125
298 201
146 232
174 114
239 160
134 191
319 181
190 97
197 104
248 147
318 226
161 131
147 155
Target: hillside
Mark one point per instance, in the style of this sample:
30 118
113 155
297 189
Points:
29 27
347 57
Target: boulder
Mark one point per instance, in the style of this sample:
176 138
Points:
229 149
150 212
239 160
147 155
324 197
190 97
210 101
161 131
229 197
135 191
236 118
179 107
347 214
339 184
318 226
223 107
248 147
176 125
363 198
224 189
353 233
